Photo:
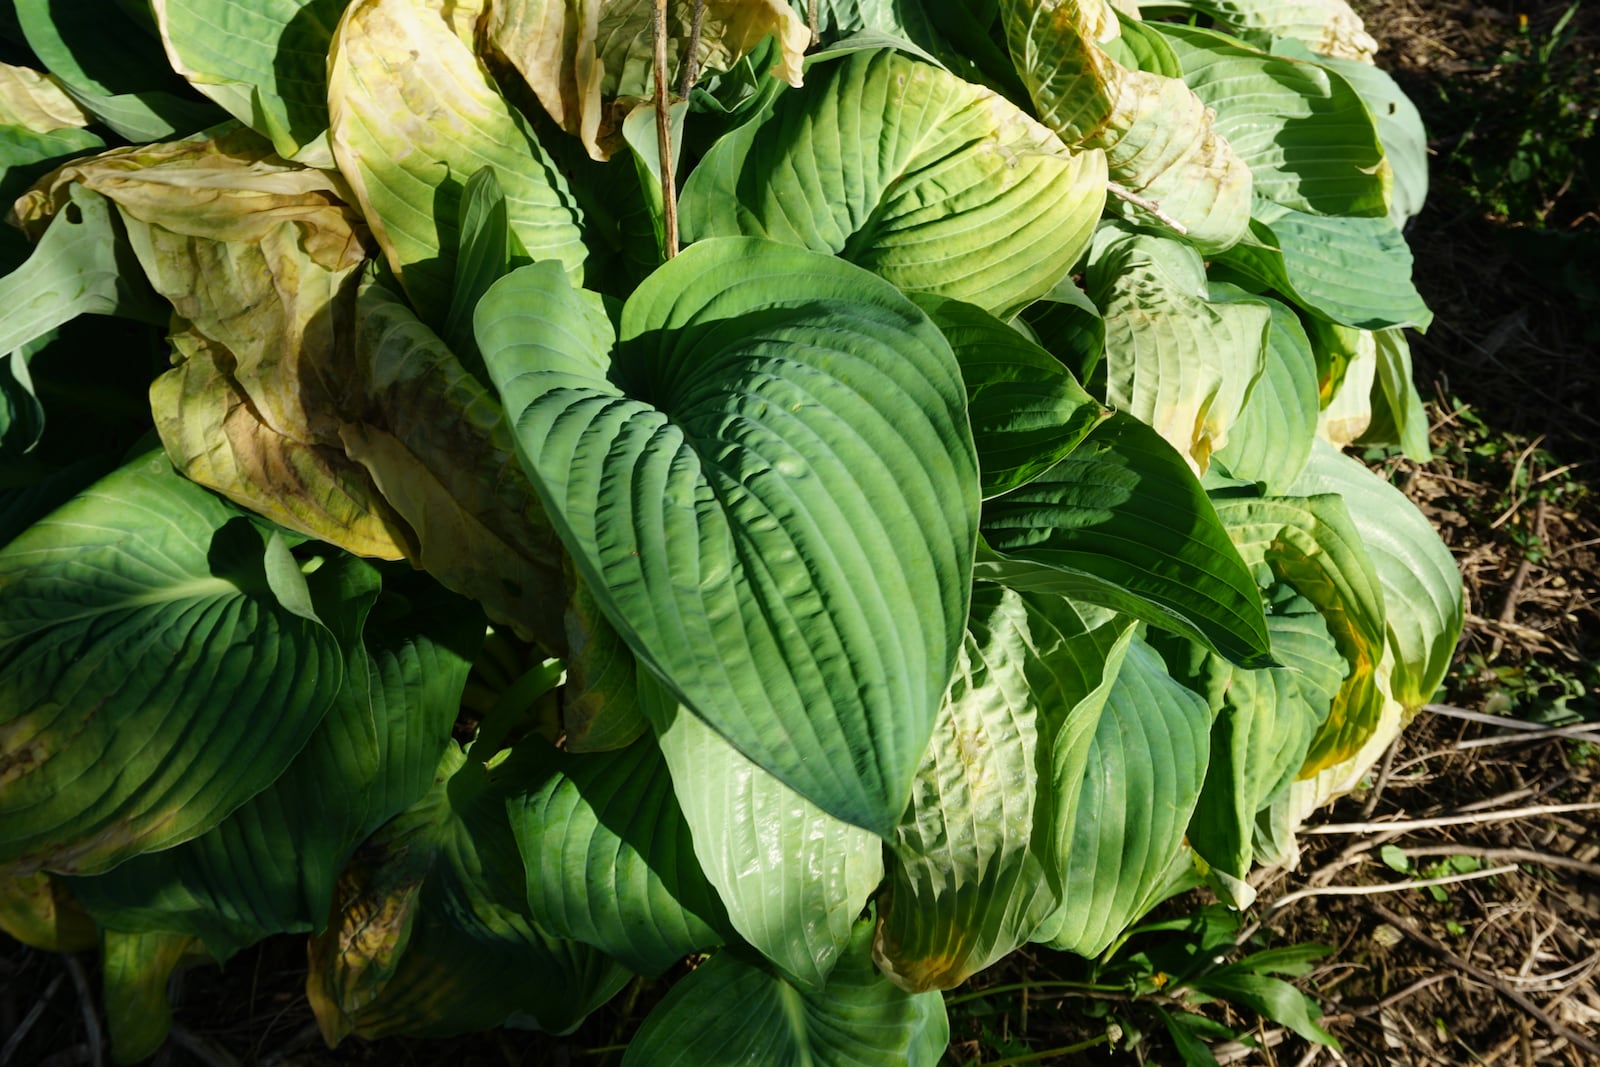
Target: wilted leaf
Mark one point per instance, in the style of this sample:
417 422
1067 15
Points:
36 101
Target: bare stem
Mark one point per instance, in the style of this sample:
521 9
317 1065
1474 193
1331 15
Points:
1144 203
691 54
1493 815
669 191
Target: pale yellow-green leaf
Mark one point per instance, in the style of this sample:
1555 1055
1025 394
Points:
36 101
1159 138
579 56
1175 359
413 114
38 910
1347 360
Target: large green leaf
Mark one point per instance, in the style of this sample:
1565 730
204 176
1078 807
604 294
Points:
1311 545
971 874
1122 522
792 877
1271 440
27 155
937 184
432 936
413 115
1304 131
610 858
271 866
1355 271
1405 140
264 61
1160 141
134 622
1175 359
771 490
1027 410
729 1012
1422 591
1140 786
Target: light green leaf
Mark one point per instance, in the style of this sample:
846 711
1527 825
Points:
729 1012
1398 416
487 250
1271 440
134 621
1158 138
26 155
766 404
1421 584
792 877
1175 360
264 61
1143 776
936 184
1027 410
609 855
1123 523
1355 271
113 68
413 115
440 885
1303 130
970 876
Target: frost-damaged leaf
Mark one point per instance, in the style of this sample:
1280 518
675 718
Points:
971 876
264 61
1141 782
1123 522
413 115
36 101
1303 130
728 1012
1421 584
1355 271
1347 368
1175 359
1159 139
258 258
436 443
792 877
1311 545
1330 27
271 867
580 56
600 704
772 491
609 854
893 164
98 603
431 934
1027 410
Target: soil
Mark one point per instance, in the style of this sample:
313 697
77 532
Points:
1491 969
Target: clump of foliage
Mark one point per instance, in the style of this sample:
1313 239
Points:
948 548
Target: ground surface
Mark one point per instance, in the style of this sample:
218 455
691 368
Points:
1494 969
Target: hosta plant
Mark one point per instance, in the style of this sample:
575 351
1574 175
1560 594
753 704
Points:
527 496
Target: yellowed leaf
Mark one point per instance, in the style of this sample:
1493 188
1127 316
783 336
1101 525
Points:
36 101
